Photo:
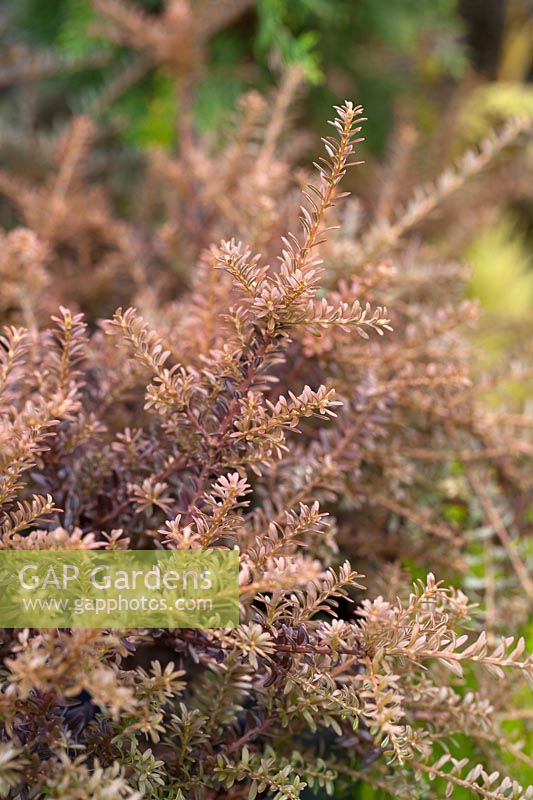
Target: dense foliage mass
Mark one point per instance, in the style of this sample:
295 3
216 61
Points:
223 367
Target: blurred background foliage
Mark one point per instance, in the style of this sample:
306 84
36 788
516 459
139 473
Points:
462 64
402 48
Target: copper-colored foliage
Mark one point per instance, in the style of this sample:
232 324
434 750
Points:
302 387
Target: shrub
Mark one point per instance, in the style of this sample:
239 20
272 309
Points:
175 425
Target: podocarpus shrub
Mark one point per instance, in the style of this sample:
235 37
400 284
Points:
184 436
179 430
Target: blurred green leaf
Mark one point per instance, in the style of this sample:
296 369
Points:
502 278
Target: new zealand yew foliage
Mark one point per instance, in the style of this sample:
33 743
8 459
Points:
230 365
